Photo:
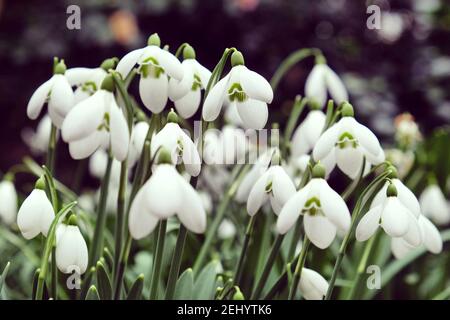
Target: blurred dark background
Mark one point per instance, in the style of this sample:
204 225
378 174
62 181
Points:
404 66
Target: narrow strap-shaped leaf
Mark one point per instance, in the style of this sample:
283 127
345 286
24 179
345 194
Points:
92 293
2 279
205 283
136 289
185 286
103 282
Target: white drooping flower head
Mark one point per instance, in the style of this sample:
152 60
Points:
186 93
388 210
226 230
246 89
312 285
434 205
97 122
137 140
8 200
155 67
307 133
38 140
324 211
36 213
431 239
164 195
321 81
57 92
224 147
179 144
274 186
350 142
71 249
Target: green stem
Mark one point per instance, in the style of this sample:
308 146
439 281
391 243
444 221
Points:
51 150
121 268
268 267
289 62
299 268
242 257
176 262
157 260
239 171
294 241
97 239
297 109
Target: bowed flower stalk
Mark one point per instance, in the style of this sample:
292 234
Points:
156 65
71 249
323 210
321 81
185 93
434 205
431 239
58 94
97 122
350 142
36 213
246 89
8 200
179 144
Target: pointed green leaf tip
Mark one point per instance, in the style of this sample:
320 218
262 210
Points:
391 190
238 295
60 68
40 183
172 117
110 63
318 171
188 52
347 110
154 40
237 59
108 83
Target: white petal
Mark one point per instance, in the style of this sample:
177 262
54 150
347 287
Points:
282 186
394 218
171 64
335 86
255 85
38 99
214 100
83 148
163 196
431 236
315 86
292 210
254 113
140 222
191 212
326 142
380 197
62 98
8 200
369 223
71 251
413 237
407 197
258 195
434 205
188 105
319 230
349 160
154 92
35 215
366 138
78 76
128 62
312 285
201 71
334 207
179 88
120 135
84 118
400 248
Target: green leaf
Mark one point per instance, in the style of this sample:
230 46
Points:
2 279
108 258
35 282
205 284
185 286
136 289
103 282
92 294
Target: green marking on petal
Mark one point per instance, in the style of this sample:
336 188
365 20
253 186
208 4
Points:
235 92
347 140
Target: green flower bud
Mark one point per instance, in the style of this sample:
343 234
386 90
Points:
72 221
60 68
237 59
188 52
172 116
238 295
110 63
391 190
40 183
318 171
347 110
154 40
394 173
164 156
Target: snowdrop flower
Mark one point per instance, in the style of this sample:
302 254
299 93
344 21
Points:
38 140
312 285
138 136
274 185
323 79
179 144
57 92
227 229
257 170
249 91
71 249
166 194
226 146
186 93
307 133
36 213
155 66
8 200
350 142
323 208
97 122
434 205
395 218
431 238
407 132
